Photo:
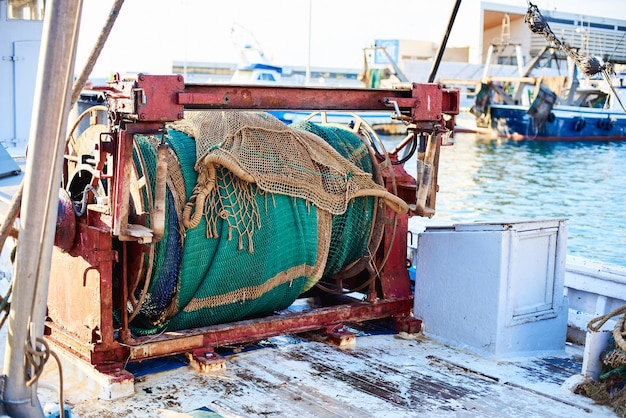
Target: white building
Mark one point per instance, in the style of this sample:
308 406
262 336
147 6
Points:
503 26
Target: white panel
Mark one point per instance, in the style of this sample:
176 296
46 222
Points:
8 166
27 56
532 272
457 285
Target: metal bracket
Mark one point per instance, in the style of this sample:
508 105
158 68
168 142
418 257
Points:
206 360
408 324
340 336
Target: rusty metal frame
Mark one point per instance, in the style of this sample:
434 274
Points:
142 106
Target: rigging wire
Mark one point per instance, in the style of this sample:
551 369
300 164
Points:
80 82
616 46
589 65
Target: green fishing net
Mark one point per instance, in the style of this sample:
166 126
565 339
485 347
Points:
269 211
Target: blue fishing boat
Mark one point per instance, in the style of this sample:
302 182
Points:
554 108
593 113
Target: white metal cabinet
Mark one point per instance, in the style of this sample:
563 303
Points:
494 288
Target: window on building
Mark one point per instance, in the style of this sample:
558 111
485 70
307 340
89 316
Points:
25 9
507 60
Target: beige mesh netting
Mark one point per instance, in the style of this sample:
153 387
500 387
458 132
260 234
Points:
259 148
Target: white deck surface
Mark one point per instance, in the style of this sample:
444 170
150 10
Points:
383 375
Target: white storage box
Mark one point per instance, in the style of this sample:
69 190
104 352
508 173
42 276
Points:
494 288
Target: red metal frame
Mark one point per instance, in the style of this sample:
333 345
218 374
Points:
141 107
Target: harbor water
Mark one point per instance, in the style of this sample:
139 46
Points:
504 180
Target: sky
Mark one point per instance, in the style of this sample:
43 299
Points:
149 34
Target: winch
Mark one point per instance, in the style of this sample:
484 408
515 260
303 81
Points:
192 218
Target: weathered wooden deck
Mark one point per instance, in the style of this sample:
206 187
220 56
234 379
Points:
383 374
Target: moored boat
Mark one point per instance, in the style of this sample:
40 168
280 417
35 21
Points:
591 114
554 108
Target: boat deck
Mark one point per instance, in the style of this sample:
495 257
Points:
383 374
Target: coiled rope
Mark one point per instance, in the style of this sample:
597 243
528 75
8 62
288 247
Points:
619 332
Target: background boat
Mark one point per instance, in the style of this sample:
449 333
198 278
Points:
585 104
587 113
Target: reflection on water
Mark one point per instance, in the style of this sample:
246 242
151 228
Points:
503 181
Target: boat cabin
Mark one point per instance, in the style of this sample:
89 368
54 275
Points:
258 74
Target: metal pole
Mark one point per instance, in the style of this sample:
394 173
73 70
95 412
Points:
444 43
40 201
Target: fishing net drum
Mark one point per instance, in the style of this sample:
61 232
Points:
256 213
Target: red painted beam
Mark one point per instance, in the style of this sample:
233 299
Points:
154 98
198 96
260 328
201 96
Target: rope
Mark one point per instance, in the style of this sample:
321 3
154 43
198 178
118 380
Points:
618 330
37 359
618 333
206 183
79 84
607 77
539 25
6 228
617 46
5 305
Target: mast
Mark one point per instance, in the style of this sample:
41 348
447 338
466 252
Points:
444 42
40 203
